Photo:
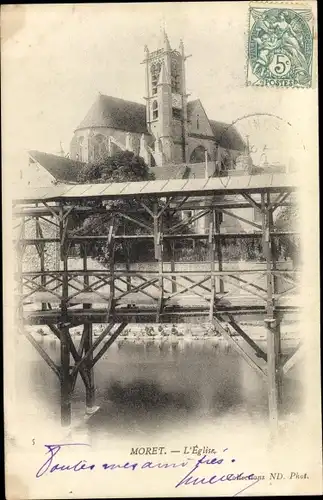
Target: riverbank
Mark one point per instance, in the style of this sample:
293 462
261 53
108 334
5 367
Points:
176 332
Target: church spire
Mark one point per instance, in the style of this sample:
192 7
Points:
163 76
181 47
164 44
61 151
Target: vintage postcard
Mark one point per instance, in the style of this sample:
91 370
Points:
161 250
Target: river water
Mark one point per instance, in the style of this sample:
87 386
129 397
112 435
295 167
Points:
147 385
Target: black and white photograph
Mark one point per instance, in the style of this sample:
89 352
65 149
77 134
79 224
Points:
161 250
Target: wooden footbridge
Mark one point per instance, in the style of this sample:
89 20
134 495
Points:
116 295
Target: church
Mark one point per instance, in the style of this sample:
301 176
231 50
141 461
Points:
166 130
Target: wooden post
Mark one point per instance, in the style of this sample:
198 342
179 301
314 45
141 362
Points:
212 264
270 321
64 258
41 248
20 255
65 379
57 248
217 222
88 342
272 374
170 245
127 251
278 349
157 220
172 266
128 278
111 242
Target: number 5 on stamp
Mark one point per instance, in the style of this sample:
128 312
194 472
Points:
280 46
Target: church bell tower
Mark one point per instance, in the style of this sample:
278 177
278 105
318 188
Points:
166 102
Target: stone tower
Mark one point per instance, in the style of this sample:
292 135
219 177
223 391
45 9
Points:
166 102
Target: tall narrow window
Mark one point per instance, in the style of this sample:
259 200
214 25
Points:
99 146
197 122
177 113
80 148
155 70
155 110
175 77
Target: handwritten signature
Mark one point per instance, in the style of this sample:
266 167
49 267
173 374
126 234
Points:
190 479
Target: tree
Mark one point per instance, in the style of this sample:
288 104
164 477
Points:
124 166
288 220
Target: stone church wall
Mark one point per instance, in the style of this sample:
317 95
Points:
91 147
194 142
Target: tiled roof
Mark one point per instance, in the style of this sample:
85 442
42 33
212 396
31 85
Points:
62 169
116 113
227 136
183 171
169 172
190 107
251 184
112 112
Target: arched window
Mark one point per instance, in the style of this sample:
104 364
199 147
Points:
99 146
155 110
79 155
198 155
175 77
155 70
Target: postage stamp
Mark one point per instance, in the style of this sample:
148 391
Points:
280 46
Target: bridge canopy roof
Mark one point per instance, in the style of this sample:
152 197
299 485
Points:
162 188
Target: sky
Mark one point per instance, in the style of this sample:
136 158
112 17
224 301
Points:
54 67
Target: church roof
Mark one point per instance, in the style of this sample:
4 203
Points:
183 171
62 169
116 113
227 136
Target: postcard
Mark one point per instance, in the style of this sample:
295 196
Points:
161 250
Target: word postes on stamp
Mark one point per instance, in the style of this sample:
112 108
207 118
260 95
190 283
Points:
280 47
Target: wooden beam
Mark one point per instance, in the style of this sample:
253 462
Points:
251 362
273 331
166 206
242 219
90 387
109 342
252 202
188 221
212 263
147 209
185 289
65 379
57 332
259 352
217 237
251 283
136 221
277 202
183 205
293 358
55 214
48 360
92 348
243 287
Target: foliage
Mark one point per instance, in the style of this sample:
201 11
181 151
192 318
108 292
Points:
288 220
227 161
124 166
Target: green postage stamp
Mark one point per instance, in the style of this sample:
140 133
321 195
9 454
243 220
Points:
280 46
